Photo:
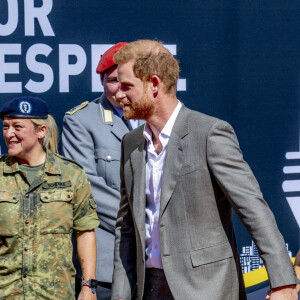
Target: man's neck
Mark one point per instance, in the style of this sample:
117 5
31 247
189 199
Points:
159 119
162 114
155 139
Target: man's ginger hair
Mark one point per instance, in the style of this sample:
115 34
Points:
151 58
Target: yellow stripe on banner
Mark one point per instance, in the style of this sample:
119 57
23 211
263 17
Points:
257 276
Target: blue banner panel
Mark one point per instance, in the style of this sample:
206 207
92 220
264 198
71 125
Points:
240 61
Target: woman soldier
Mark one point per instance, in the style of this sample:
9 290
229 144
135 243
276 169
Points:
43 198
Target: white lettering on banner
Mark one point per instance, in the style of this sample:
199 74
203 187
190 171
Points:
31 13
9 68
291 186
36 14
12 18
39 13
66 69
39 68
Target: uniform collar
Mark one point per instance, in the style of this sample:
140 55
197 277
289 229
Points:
51 164
11 165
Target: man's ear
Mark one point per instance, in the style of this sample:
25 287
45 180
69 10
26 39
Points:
155 84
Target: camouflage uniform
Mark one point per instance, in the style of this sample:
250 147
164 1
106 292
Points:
36 223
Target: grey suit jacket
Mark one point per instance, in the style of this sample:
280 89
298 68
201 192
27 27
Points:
92 137
204 177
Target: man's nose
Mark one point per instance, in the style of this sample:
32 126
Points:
120 95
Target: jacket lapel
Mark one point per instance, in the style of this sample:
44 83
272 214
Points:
173 164
138 163
174 158
118 127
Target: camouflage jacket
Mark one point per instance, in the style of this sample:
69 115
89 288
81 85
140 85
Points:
36 223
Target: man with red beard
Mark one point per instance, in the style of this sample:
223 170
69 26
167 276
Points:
92 134
181 175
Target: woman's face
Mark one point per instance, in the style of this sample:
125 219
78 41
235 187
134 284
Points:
21 138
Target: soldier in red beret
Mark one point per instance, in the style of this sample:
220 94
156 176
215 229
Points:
107 69
92 134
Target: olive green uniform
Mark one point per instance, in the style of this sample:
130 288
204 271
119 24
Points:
36 223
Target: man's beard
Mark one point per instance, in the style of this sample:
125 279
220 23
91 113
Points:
141 109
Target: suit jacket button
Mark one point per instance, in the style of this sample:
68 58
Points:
108 158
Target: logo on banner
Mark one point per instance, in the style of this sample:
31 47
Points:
252 265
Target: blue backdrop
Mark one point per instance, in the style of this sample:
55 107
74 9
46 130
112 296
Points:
239 62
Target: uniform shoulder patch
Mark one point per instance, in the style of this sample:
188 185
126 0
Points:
75 109
69 159
106 115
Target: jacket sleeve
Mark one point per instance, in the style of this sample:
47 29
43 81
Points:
238 183
124 275
78 144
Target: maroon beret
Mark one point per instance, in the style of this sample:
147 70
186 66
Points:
107 59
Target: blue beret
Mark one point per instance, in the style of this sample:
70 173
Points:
25 107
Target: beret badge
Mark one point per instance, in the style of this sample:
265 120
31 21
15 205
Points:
25 107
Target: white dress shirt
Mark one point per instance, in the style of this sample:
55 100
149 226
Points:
154 171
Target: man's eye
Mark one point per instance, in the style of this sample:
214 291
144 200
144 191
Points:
125 87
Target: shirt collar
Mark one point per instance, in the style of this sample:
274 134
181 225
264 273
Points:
51 164
11 165
169 125
166 131
119 111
